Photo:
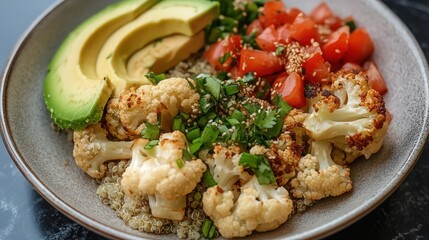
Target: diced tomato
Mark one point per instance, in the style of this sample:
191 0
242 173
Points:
360 46
351 66
292 14
284 34
255 26
267 39
291 88
337 45
274 14
271 78
260 62
321 13
303 30
235 73
375 78
334 23
316 69
230 45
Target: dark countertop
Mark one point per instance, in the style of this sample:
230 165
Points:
24 214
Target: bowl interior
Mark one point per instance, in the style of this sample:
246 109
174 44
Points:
41 153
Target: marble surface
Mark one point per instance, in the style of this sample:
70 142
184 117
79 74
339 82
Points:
24 214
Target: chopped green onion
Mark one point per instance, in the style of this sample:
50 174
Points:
351 24
195 146
177 123
151 144
222 75
151 131
180 163
249 78
209 135
184 115
252 12
208 179
279 50
206 104
224 58
233 121
231 89
193 134
155 79
187 156
214 87
208 229
214 35
190 84
197 196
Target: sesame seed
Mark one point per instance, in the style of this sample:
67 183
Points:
337 51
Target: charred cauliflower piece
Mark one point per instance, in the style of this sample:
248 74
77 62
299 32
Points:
319 176
92 149
257 208
352 117
149 102
163 174
113 122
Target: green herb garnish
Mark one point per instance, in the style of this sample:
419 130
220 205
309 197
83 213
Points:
260 166
279 50
151 144
208 229
180 163
155 79
208 179
224 58
151 131
351 24
231 89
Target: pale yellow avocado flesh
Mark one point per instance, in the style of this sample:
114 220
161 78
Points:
186 17
163 54
74 95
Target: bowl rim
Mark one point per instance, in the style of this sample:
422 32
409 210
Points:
113 232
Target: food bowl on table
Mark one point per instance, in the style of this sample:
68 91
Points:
42 154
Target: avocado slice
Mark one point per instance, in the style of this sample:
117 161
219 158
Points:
73 93
186 17
163 54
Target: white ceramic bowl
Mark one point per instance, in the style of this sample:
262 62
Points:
39 152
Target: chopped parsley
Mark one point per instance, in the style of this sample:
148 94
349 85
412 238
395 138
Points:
280 49
180 163
208 229
260 165
351 24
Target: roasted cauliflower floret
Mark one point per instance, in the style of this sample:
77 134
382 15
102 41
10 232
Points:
318 176
353 116
224 165
258 207
151 102
293 125
163 174
92 149
113 121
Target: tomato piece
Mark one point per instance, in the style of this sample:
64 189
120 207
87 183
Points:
316 69
352 66
375 78
303 30
267 39
284 34
275 14
334 23
260 62
291 89
255 26
235 73
360 46
337 45
321 13
292 14
230 45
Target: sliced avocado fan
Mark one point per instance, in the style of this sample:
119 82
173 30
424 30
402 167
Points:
92 61
73 93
